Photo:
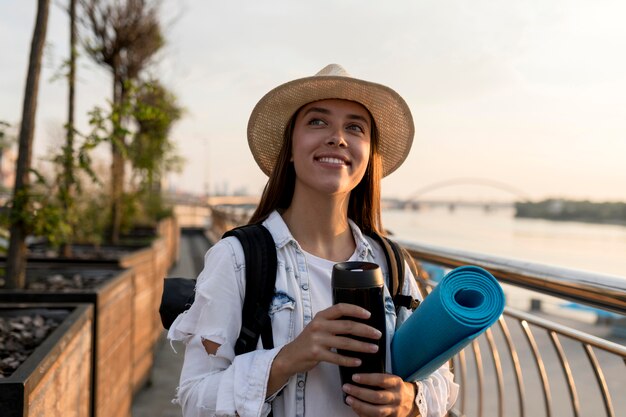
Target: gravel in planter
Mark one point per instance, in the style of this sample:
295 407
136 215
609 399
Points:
90 252
66 282
20 335
63 281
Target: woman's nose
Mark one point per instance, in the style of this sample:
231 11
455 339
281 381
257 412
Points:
337 138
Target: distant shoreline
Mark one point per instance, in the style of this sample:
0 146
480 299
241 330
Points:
573 211
577 220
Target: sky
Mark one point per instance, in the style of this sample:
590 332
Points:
528 94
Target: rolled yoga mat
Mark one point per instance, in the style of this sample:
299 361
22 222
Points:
467 301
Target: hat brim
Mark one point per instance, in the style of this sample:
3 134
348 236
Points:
391 114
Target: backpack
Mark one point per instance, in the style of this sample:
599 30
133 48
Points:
260 256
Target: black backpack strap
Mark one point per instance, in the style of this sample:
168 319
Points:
399 299
421 276
390 256
260 256
394 255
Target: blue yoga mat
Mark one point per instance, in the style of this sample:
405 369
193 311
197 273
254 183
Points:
467 301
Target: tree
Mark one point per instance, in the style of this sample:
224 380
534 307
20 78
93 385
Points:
67 185
16 257
123 36
155 110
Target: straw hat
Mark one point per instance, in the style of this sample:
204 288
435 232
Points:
272 113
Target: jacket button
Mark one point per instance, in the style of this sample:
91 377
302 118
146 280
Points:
301 384
305 287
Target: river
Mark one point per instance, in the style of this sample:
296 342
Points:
592 247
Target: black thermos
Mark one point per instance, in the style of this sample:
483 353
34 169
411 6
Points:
362 284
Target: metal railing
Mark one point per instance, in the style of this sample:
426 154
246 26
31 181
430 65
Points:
530 364
527 365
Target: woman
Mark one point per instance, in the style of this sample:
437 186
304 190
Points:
325 142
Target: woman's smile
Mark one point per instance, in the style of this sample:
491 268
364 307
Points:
333 161
331 145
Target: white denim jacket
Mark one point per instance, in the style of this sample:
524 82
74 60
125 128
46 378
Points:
227 385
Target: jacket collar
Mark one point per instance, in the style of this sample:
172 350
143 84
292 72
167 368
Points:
282 236
279 230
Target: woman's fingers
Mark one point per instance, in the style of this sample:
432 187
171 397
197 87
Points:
384 381
352 328
371 396
347 343
391 397
342 309
338 359
366 409
321 350
331 329
388 386
337 320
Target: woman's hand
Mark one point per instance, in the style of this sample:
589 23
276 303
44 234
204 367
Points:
395 398
326 332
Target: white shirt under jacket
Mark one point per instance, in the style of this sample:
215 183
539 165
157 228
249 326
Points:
227 385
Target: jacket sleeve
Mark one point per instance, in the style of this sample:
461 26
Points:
437 393
221 384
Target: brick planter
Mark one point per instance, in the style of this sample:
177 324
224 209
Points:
162 264
149 265
141 263
55 379
146 267
112 301
130 331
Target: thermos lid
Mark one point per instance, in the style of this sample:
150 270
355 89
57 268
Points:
356 274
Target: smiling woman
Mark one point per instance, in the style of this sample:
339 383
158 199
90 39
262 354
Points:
331 147
325 142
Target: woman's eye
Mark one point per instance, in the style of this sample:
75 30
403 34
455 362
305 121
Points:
356 128
316 122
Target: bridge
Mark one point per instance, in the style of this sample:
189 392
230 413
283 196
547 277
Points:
450 204
417 200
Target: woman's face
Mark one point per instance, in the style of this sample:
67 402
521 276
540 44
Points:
331 145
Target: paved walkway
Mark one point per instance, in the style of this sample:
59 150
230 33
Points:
155 400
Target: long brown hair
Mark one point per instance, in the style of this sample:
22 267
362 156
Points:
364 204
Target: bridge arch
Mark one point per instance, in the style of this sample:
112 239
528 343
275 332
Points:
494 184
